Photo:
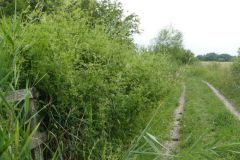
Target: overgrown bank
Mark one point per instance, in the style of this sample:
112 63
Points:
100 88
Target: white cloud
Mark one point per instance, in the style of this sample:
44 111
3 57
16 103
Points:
207 25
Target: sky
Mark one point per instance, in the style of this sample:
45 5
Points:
207 25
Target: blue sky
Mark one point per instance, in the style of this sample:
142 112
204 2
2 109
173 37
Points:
207 25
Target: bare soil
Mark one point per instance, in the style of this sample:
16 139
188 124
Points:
225 101
175 131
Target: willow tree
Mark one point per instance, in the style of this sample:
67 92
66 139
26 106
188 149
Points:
170 42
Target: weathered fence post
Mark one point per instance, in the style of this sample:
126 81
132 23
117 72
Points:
39 137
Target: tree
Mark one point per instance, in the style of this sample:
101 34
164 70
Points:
170 42
187 57
110 15
105 13
215 57
211 57
169 38
224 57
200 57
7 7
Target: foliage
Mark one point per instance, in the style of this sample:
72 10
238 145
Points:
223 75
100 89
215 57
170 42
209 130
110 14
9 7
142 148
216 134
106 13
169 38
15 132
236 70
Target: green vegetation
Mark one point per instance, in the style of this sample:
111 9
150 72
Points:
215 57
209 130
224 76
170 42
15 133
158 128
101 97
7 7
100 91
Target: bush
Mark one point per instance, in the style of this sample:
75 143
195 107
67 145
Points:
100 89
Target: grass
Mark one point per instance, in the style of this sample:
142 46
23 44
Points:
222 77
209 130
15 132
158 128
101 91
227 64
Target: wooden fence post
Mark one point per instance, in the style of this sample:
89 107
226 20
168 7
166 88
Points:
39 137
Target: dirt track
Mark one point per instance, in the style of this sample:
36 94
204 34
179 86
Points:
226 102
175 131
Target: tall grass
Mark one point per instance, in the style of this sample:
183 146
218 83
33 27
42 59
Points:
100 90
16 130
216 134
224 76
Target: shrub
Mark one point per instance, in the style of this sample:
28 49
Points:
100 89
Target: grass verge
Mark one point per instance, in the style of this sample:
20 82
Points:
209 130
159 127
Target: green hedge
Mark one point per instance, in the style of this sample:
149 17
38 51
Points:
102 91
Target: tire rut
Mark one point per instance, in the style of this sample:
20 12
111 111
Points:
175 131
225 101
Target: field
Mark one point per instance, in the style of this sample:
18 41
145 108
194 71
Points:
222 64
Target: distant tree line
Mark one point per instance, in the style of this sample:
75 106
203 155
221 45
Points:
215 57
